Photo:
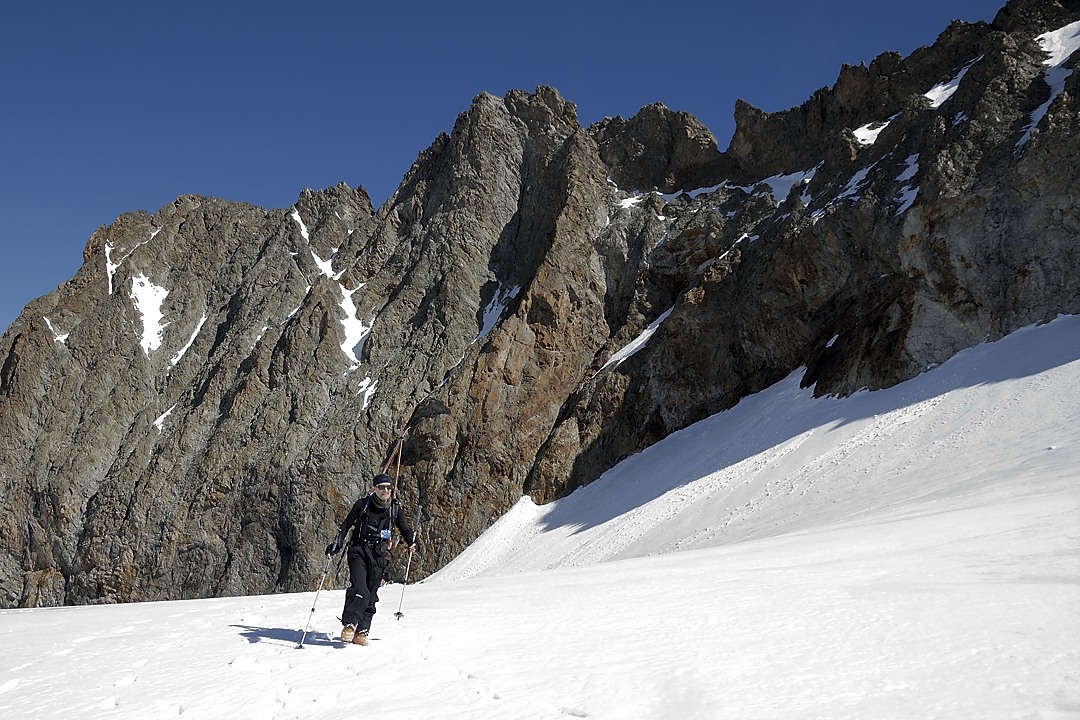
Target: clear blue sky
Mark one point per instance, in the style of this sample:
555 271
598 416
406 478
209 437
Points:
115 106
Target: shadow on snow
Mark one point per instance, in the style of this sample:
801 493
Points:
255 634
785 411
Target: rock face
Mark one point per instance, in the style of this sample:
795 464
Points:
192 413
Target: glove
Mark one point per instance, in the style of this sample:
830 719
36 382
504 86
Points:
332 549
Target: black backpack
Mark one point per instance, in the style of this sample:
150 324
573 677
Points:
370 532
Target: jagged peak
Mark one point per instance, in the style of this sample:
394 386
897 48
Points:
545 101
658 149
765 143
1032 17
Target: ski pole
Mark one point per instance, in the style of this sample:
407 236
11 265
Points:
314 600
408 564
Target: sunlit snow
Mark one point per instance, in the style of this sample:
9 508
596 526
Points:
781 184
326 267
110 266
945 90
147 298
868 134
637 343
1059 44
300 222
367 388
909 553
258 336
160 422
194 333
356 332
57 337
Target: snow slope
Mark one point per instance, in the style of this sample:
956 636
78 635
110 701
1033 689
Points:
992 419
907 553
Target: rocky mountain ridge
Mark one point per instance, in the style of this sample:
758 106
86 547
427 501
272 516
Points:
191 414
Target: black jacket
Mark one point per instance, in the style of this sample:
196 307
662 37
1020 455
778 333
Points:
372 524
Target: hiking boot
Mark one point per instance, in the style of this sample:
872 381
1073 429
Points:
348 633
360 638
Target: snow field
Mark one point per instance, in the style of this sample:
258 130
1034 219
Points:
908 553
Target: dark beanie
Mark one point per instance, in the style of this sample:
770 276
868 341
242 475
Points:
380 479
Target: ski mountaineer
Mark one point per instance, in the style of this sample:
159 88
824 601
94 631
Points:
370 519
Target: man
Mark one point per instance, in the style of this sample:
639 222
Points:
370 519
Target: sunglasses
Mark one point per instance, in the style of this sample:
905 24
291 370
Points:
382 487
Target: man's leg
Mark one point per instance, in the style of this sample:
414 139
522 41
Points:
375 568
356 596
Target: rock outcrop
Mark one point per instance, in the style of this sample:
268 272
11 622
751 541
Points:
191 414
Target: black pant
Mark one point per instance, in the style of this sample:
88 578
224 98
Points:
367 561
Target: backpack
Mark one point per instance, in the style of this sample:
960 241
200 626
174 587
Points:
363 531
